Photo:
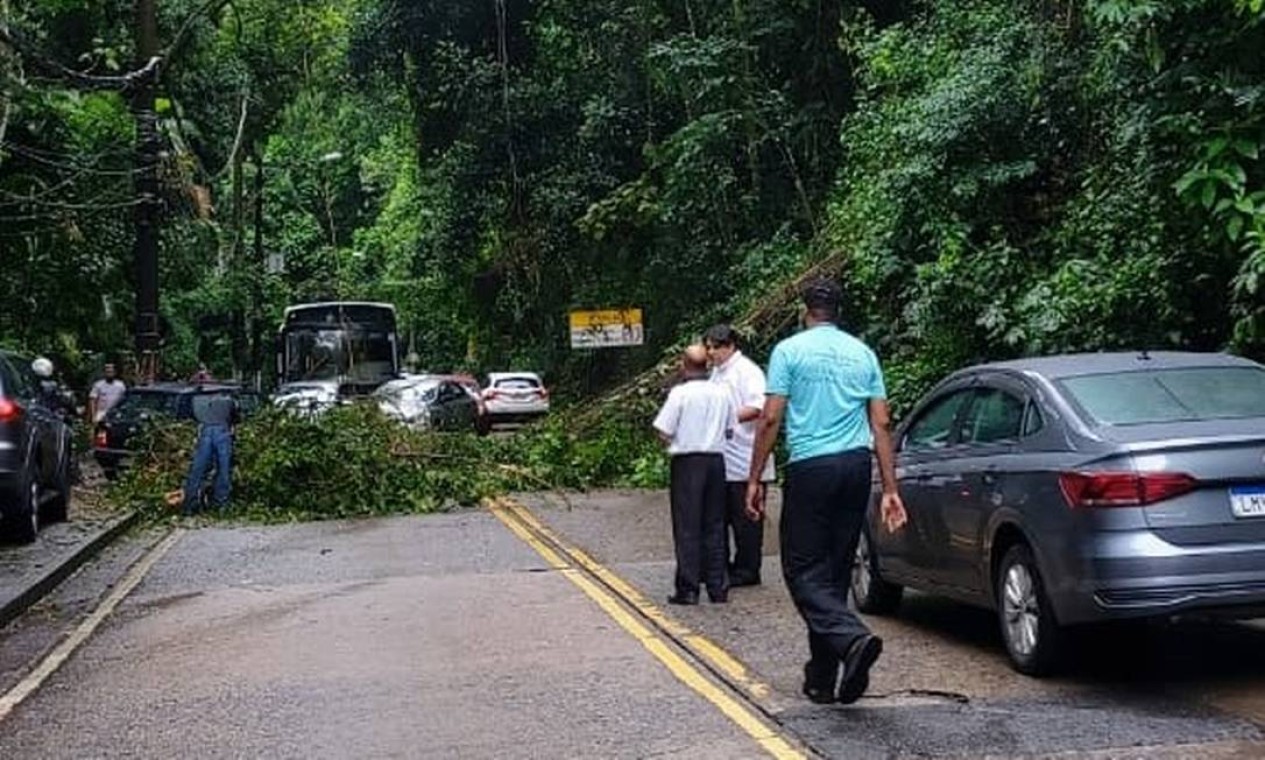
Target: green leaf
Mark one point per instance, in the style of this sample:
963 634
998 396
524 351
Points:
162 105
1234 228
1247 148
1209 194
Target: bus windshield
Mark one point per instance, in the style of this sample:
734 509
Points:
344 354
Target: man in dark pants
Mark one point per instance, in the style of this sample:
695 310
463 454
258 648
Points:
745 383
828 387
694 423
216 414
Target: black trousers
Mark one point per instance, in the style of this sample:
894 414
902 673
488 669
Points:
823 505
748 534
698 522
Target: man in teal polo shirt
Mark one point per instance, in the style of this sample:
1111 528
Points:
828 387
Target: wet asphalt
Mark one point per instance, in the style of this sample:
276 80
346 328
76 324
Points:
447 636
943 687
441 636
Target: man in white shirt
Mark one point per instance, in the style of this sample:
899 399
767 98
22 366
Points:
695 422
745 382
105 393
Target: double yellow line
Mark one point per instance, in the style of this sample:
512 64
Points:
607 589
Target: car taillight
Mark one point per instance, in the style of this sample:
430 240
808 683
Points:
9 411
1123 489
101 440
489 394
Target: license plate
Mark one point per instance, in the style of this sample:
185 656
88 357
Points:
1248 501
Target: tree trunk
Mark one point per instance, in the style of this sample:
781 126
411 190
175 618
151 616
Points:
147 218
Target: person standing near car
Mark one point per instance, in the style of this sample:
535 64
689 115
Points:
216 414
694 423
744 380
828 388
105 394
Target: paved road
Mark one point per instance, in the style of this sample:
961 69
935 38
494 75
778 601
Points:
451 636
442 636
943 688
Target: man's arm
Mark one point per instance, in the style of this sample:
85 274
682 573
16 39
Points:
765 438
891 506
92 405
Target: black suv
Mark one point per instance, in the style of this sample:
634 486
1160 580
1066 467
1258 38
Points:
148 403
35 453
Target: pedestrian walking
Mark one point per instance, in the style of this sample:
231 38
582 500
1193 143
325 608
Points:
105 394
828 388
694 423
216 414
745 382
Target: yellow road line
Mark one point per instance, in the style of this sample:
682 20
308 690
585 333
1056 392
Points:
744 717
717 657
58 656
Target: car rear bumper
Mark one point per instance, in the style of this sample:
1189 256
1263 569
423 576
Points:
1137 574
110 459
502 411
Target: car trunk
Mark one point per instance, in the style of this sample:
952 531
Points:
1225 457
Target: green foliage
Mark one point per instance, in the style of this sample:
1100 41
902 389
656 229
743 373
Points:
353 462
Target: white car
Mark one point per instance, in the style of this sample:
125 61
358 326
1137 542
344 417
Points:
510 396
307 398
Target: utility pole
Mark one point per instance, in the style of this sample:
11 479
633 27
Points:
148 202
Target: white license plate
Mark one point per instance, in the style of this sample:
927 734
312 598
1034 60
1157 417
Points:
1248 501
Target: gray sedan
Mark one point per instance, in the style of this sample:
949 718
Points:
1078 489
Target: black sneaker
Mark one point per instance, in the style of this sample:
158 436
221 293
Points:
819 682
856 667
683 597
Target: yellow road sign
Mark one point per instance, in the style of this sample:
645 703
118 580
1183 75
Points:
606 328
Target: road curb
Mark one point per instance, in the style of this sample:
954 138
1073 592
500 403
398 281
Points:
36 587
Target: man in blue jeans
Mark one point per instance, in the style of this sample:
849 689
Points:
828 387
215 413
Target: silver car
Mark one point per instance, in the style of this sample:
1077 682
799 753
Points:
1077 489
429 401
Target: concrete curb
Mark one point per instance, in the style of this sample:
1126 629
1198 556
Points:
35 586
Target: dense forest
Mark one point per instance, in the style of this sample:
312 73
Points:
987 178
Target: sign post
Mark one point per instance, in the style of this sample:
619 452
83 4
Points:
607 328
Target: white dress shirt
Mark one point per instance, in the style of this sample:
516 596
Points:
696 418
745 381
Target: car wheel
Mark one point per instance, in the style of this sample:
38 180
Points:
57 509
24 517
1033 637
870 592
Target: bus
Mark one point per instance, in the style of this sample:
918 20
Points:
351 343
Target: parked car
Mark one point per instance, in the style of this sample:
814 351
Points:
144 404
428 401
515 396
1079 489
35 453
307 398
483 423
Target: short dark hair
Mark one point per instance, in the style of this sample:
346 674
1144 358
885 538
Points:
720 335
822 296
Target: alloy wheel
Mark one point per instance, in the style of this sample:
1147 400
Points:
1021 610
861 575
33 500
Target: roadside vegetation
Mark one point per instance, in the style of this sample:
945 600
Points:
353 462
987 178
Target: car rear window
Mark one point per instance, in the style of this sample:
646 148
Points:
1170 395
136 401
518 384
